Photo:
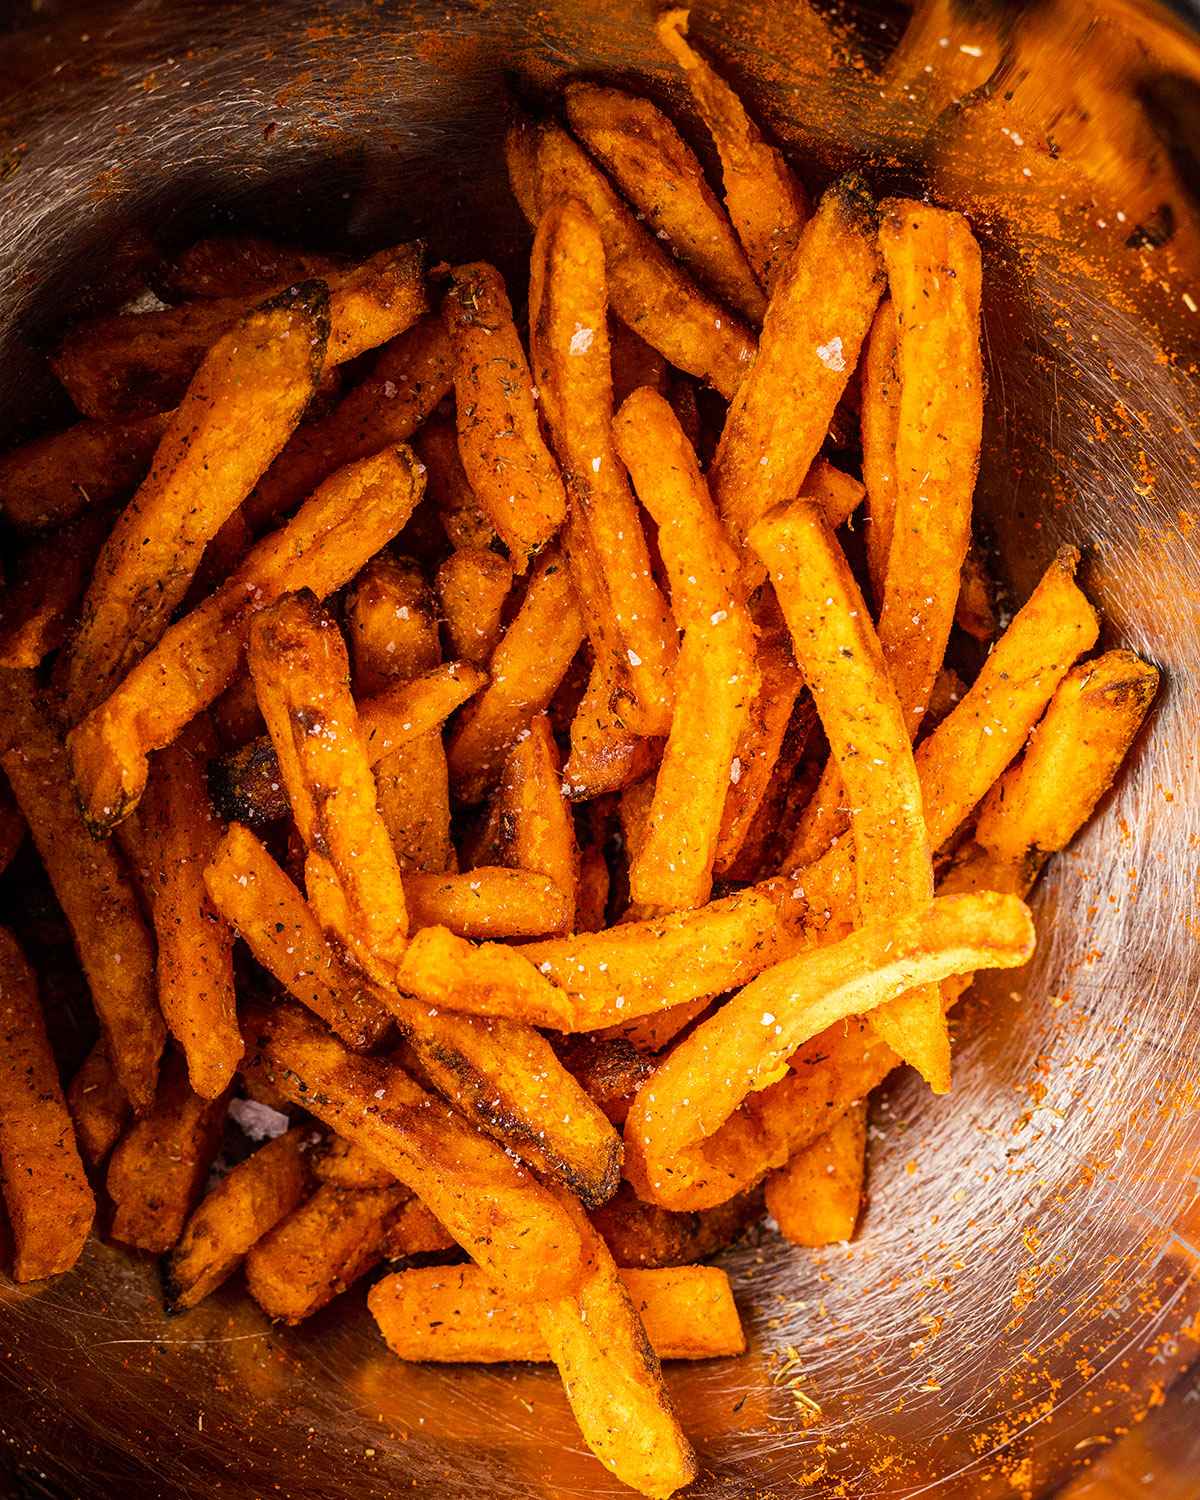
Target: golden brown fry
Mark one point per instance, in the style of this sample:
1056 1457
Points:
606 755
92 886
450 1314
605 544
643 1234
651 1033
54 479
1072 757
473 586
934 274
658 173
525 670
843 664
446 483
649 291
158 1168
321 1248
297 657
244 1205
347 1165
880 423
838 494
766 202
816 1198
490 979
98 1105
355 513
673 1151
46 1194
409 378
504 455
487 902
819 313
536 829
237 414
179 835
975 611
39 605
716 677
492 1206
240 265
415 1231
258 900
612 1377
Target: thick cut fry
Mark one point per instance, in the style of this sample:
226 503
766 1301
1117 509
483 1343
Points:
262 905
487 902
239 265
744 1044
716 677
244 1205
179 835
415 1231
536 830
46 1194
764 197
392 623
158 1168
612 1377
1072 756
247 395
819 313
652 1032
658 173
450 1314
623 609
54 479
133 364
98 1105
410 377
525 671
473 586
92 886
347 1165
490 979
863 719
816 1198
39 605
446 483
297 657
505 457
934 274
880 423
650 292
609 1069
492 1206
606 755
642 1234
355 513
321 1248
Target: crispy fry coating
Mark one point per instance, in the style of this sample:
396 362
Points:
54 479
880 423
535 828
40 604
463 518
489 901
239 265
487 979
643 1234
473 586
98 1105
347 1165
817 1197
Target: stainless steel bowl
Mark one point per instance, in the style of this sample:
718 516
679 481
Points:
1022 1290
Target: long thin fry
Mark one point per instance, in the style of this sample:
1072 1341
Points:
488 902
98 1105
54 479
817 1197
46 1194
490 979
355 513
449 490
606 754
643 1234
473 586
536 829
880 421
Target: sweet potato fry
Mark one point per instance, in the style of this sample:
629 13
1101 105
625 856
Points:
651 1033
740 1048
536 829
504 455
658 173
606 755
179 835
321 1248
525 670
451 1315
356 512
634 362
246 785
880 422
612 1377
605 545
473 586
816 1198
409 378
239 265
98 1105
975 612
262 905
934 274
837 493
54 479
347 1165
234 1216
843 664
158 1168
415 1231
301 669
764 197
609 1069
235 714
650 292
246 397
92 886
40 603
46 1194
716 677
487 902
492 1206
643 1234
818 317
489 979
463 518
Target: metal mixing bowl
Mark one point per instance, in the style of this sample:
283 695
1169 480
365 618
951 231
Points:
1022 1288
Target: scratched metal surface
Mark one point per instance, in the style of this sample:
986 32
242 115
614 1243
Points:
1023 1285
